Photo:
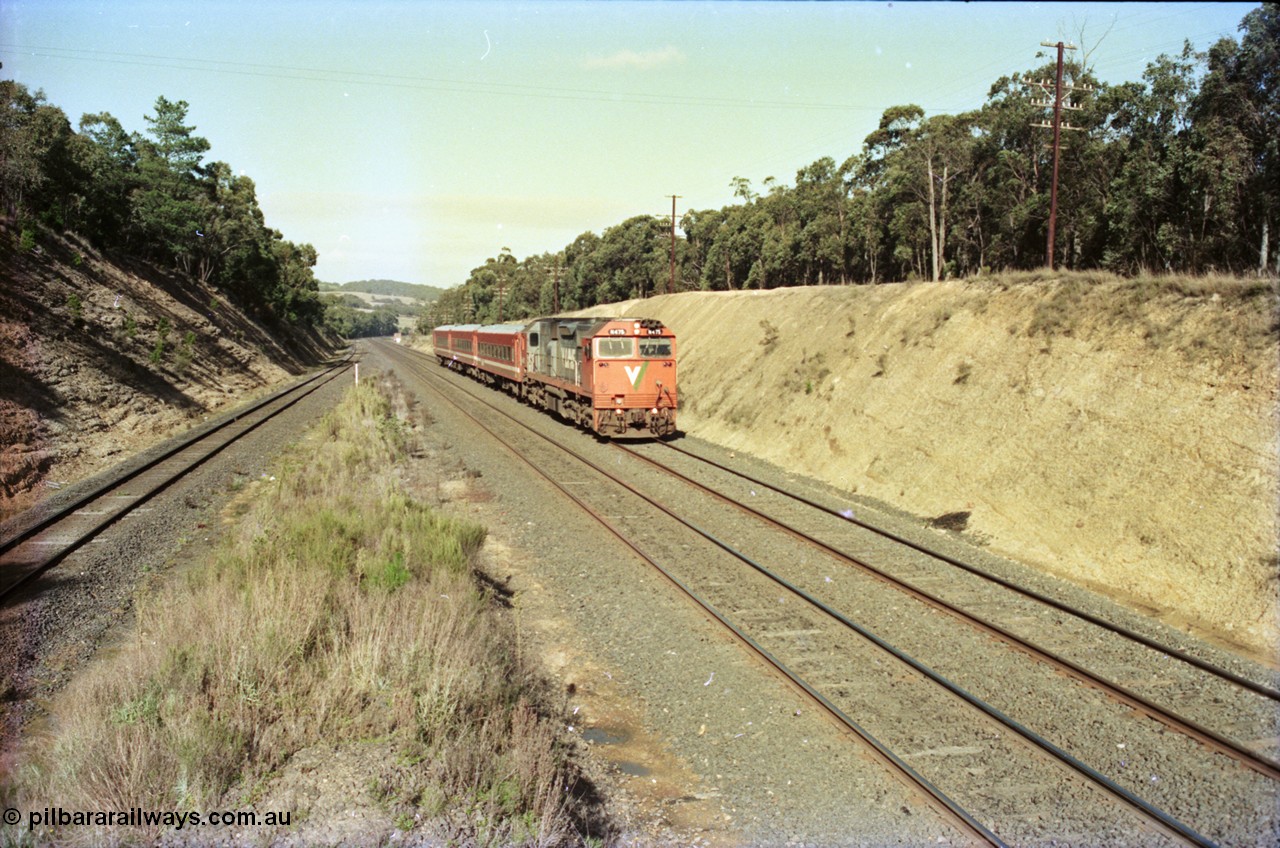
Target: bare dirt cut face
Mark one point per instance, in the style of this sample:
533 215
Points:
1119 433
99 360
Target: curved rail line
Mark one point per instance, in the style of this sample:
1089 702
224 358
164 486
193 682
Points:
1119 630
17 570
1206 736
1155 815
934 796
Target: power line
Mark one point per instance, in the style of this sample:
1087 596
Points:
671 286
399 81
1057 126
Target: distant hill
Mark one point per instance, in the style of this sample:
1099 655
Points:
387 287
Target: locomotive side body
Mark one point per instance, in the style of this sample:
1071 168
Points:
613 376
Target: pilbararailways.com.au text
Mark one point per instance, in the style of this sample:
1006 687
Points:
138 817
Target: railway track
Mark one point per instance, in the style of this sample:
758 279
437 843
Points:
1212 739
750 621
44 536
1265 689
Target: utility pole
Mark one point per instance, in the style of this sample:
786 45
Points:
555 288
1057 126
671 286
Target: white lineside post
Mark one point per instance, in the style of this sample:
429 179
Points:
357 373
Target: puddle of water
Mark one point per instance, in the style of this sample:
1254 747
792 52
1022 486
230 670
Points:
605 736
633 769
614 736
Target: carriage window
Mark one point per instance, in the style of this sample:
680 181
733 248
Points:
614 348
655 348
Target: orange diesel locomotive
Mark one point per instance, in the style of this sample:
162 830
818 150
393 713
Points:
613 376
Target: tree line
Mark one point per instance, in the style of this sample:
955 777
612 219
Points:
352 320
151 196
1178 173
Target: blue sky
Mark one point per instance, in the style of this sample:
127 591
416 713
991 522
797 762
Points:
411 140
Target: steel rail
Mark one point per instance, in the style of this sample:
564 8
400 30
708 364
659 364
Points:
62 514
189 439
1118 629
1206 736
936 798
1153 813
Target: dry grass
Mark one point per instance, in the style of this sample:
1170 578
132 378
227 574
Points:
343 611
1164 310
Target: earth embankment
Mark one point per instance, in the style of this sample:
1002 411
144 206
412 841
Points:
1121 434
100 357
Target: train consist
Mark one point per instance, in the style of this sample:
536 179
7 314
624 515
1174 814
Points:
613 376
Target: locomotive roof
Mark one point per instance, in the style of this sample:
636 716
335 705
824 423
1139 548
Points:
590 321
597 321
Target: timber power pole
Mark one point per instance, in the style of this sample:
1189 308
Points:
671 285
1058 104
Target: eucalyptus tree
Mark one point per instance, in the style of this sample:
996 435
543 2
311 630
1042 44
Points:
702 261
737 246
630 260
296 294
578 282
1235 146
822 208
109 156
38 174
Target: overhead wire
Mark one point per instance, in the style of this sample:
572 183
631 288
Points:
524 90
402 81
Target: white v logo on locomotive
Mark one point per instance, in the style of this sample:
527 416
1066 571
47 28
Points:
633 373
